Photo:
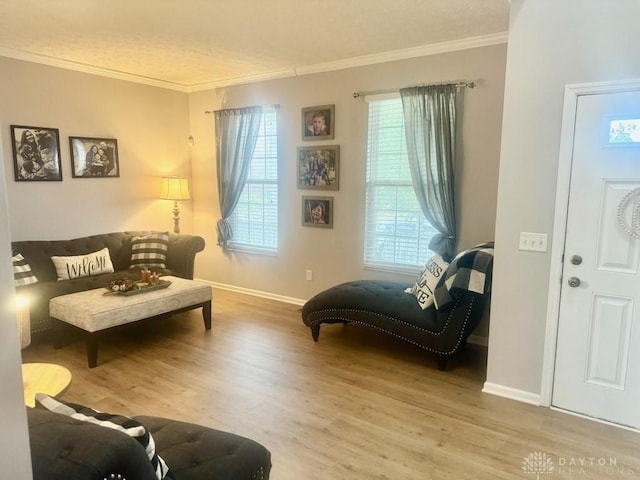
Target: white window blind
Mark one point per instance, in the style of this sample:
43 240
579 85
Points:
255 219
397 234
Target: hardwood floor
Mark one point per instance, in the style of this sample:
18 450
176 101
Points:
356 405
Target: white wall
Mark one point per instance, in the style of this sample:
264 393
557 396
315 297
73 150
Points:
150 124
335 255
15 457
551 43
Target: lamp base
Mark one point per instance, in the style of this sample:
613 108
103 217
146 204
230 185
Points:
176 217
24 323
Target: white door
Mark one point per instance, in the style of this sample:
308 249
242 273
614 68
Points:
597 369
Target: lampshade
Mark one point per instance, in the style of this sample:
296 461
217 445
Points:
174 188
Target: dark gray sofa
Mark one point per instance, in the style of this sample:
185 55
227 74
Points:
63 449
180 262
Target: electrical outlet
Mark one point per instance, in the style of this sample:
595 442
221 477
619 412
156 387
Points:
309 275
533 242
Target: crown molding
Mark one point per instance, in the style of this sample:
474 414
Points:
81 67
421 51
241 80
406 53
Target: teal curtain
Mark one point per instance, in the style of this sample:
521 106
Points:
430 129
236 135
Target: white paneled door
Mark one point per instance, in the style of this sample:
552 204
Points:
597 370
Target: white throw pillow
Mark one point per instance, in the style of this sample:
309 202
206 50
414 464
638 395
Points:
83 265
425 286
22 274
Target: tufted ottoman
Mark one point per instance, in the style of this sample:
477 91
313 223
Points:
63 448
194 452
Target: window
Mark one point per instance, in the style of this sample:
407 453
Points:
255 219
397 234
624 130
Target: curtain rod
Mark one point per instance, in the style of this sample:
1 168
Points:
275 106
394 90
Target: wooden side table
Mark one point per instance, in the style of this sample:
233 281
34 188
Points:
43 378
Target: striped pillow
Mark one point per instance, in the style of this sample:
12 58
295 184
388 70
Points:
150 251
120 423
22 273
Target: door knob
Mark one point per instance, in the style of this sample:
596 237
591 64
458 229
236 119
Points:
573 282
576 259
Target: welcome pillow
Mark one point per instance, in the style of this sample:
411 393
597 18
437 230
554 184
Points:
150 251
120 423
425 286
83 265
22 274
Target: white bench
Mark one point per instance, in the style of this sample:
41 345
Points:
94 312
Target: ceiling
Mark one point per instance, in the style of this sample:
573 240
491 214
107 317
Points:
194 45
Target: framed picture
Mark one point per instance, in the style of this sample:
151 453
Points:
94 157
36 153
318 122
319 167
317 212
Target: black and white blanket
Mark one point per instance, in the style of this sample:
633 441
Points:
470 270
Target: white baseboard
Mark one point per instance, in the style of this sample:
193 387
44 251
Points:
511 393
255 293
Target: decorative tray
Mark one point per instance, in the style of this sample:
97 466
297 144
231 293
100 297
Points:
138 287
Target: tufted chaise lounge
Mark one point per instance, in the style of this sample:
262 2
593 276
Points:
384 306
63 449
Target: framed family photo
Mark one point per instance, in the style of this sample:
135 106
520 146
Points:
318 122
319 167
317 212
94 157
36 153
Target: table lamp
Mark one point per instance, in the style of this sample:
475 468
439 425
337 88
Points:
175 188
24 321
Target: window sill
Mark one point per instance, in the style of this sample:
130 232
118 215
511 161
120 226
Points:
252 250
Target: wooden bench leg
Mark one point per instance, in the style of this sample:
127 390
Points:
206 315
92 349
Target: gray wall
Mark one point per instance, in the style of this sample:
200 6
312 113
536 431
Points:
551 44
151 125
335 255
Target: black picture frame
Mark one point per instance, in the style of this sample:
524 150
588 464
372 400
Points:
319 167
318 123
323 215
94 157
36 154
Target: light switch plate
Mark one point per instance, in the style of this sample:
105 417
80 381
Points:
533 242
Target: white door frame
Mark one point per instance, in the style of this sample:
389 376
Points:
571 94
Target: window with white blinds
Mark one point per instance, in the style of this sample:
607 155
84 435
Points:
397 234
254 221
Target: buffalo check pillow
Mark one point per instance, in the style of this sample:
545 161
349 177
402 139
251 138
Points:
429 278
22 274
120 423
150 251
